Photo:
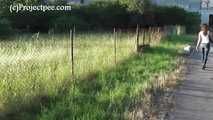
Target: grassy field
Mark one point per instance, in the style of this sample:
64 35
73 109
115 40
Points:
36 81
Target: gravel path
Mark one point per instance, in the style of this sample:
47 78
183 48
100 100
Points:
194 97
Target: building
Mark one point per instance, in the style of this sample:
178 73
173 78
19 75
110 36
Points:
204 7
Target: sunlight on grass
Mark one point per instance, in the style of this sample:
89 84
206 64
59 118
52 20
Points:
37 73
32 69
111 93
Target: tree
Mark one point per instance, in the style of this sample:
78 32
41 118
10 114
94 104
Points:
140 6
82 1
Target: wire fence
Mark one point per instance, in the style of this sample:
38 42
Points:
139 40
111 46
41 63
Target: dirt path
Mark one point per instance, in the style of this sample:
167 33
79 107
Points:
194 98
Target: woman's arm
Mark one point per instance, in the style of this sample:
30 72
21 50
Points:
198 42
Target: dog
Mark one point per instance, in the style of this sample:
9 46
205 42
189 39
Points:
189 50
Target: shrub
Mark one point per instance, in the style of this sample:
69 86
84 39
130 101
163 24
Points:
100 14
192 22
169 15
64 23
5 28
105 14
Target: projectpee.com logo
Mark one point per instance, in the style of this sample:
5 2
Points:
30 8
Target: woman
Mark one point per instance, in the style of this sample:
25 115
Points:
204 43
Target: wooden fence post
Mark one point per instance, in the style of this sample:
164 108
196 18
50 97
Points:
53 34
37 36
144 36
115 46
150 33
72 32
137 36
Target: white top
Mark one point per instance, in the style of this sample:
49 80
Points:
203 38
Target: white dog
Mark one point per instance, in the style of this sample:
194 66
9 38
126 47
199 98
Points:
188 50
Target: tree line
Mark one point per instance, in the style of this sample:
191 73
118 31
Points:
100 14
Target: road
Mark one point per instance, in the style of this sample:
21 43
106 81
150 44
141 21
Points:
194 97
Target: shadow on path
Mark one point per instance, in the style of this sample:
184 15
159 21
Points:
194 98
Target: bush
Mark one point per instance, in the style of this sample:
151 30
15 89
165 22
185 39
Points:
64 23
103 15
97 15
192 22
107 14
165 16
5 28
169 15
31 21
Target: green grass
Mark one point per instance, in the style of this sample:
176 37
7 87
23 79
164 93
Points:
36 81
111 93
32 71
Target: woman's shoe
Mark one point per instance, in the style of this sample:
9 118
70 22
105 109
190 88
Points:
203 67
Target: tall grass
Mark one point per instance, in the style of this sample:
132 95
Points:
34 70
111 93
36 73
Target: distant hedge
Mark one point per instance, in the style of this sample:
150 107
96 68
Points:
95 15
5 28
103 15
176 16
